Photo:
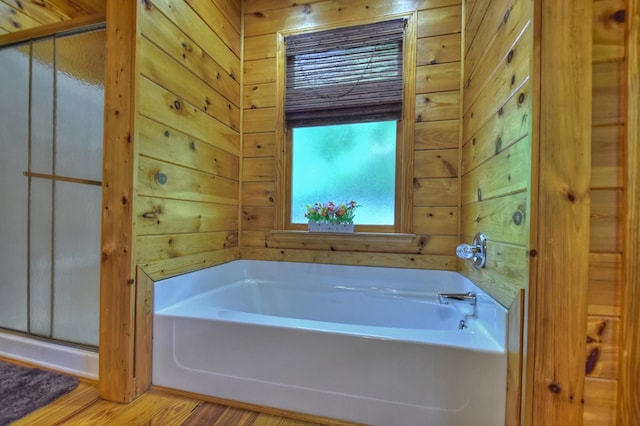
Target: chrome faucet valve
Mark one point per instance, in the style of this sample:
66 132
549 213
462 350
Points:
477 251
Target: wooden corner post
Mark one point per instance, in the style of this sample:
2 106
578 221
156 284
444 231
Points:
628 408
117 375
558 294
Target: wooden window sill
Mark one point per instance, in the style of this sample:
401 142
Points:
373 238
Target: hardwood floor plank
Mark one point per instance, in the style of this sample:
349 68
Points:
236 416
62 408
151 408
163 407
206 414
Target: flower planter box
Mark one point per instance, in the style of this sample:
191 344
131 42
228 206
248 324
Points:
330 227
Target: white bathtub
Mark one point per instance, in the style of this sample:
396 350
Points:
363 344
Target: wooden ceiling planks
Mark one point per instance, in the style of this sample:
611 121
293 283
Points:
18 15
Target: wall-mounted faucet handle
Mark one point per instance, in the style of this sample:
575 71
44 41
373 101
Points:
477 251
466 251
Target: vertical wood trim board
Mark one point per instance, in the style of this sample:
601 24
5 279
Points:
515 335
143 332
558 308
629 383
117 287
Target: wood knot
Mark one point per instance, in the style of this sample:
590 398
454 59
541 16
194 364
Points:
505 18
619 16
601 327
510 56
521 98
161 178
533 253
518 217
592 360
177 104
555 387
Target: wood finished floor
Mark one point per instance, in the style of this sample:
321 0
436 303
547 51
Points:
161 407
82 406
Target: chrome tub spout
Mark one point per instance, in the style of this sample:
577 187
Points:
445 298
469 298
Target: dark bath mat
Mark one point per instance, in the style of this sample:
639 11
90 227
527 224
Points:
24 389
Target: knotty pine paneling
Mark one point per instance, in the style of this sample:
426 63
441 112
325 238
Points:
437 134
188 130
435 191
156 66
609 30
496 142
434 207
168 108
399 260
153 248
157 216
507 126
608 93
169 145
505 173
501 18
438 49
495 164
606 285
203 33
600 397
177 44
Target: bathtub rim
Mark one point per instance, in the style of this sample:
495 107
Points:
482 335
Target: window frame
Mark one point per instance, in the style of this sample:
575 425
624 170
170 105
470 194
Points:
357 228
404 139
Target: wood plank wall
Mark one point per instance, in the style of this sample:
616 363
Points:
496 142
496 170
172 144
434 207
188 134
608 181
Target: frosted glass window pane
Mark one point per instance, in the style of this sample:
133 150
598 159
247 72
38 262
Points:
80 105
42 107
14 113
343 163
77 262
41 227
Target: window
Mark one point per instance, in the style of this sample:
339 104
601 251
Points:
343 109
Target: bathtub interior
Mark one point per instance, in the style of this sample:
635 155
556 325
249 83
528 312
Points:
328 366
369 300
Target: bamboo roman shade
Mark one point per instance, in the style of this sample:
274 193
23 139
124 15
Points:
345 75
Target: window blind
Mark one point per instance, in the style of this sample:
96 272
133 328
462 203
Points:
344 75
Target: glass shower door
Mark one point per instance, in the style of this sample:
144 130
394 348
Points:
54 179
